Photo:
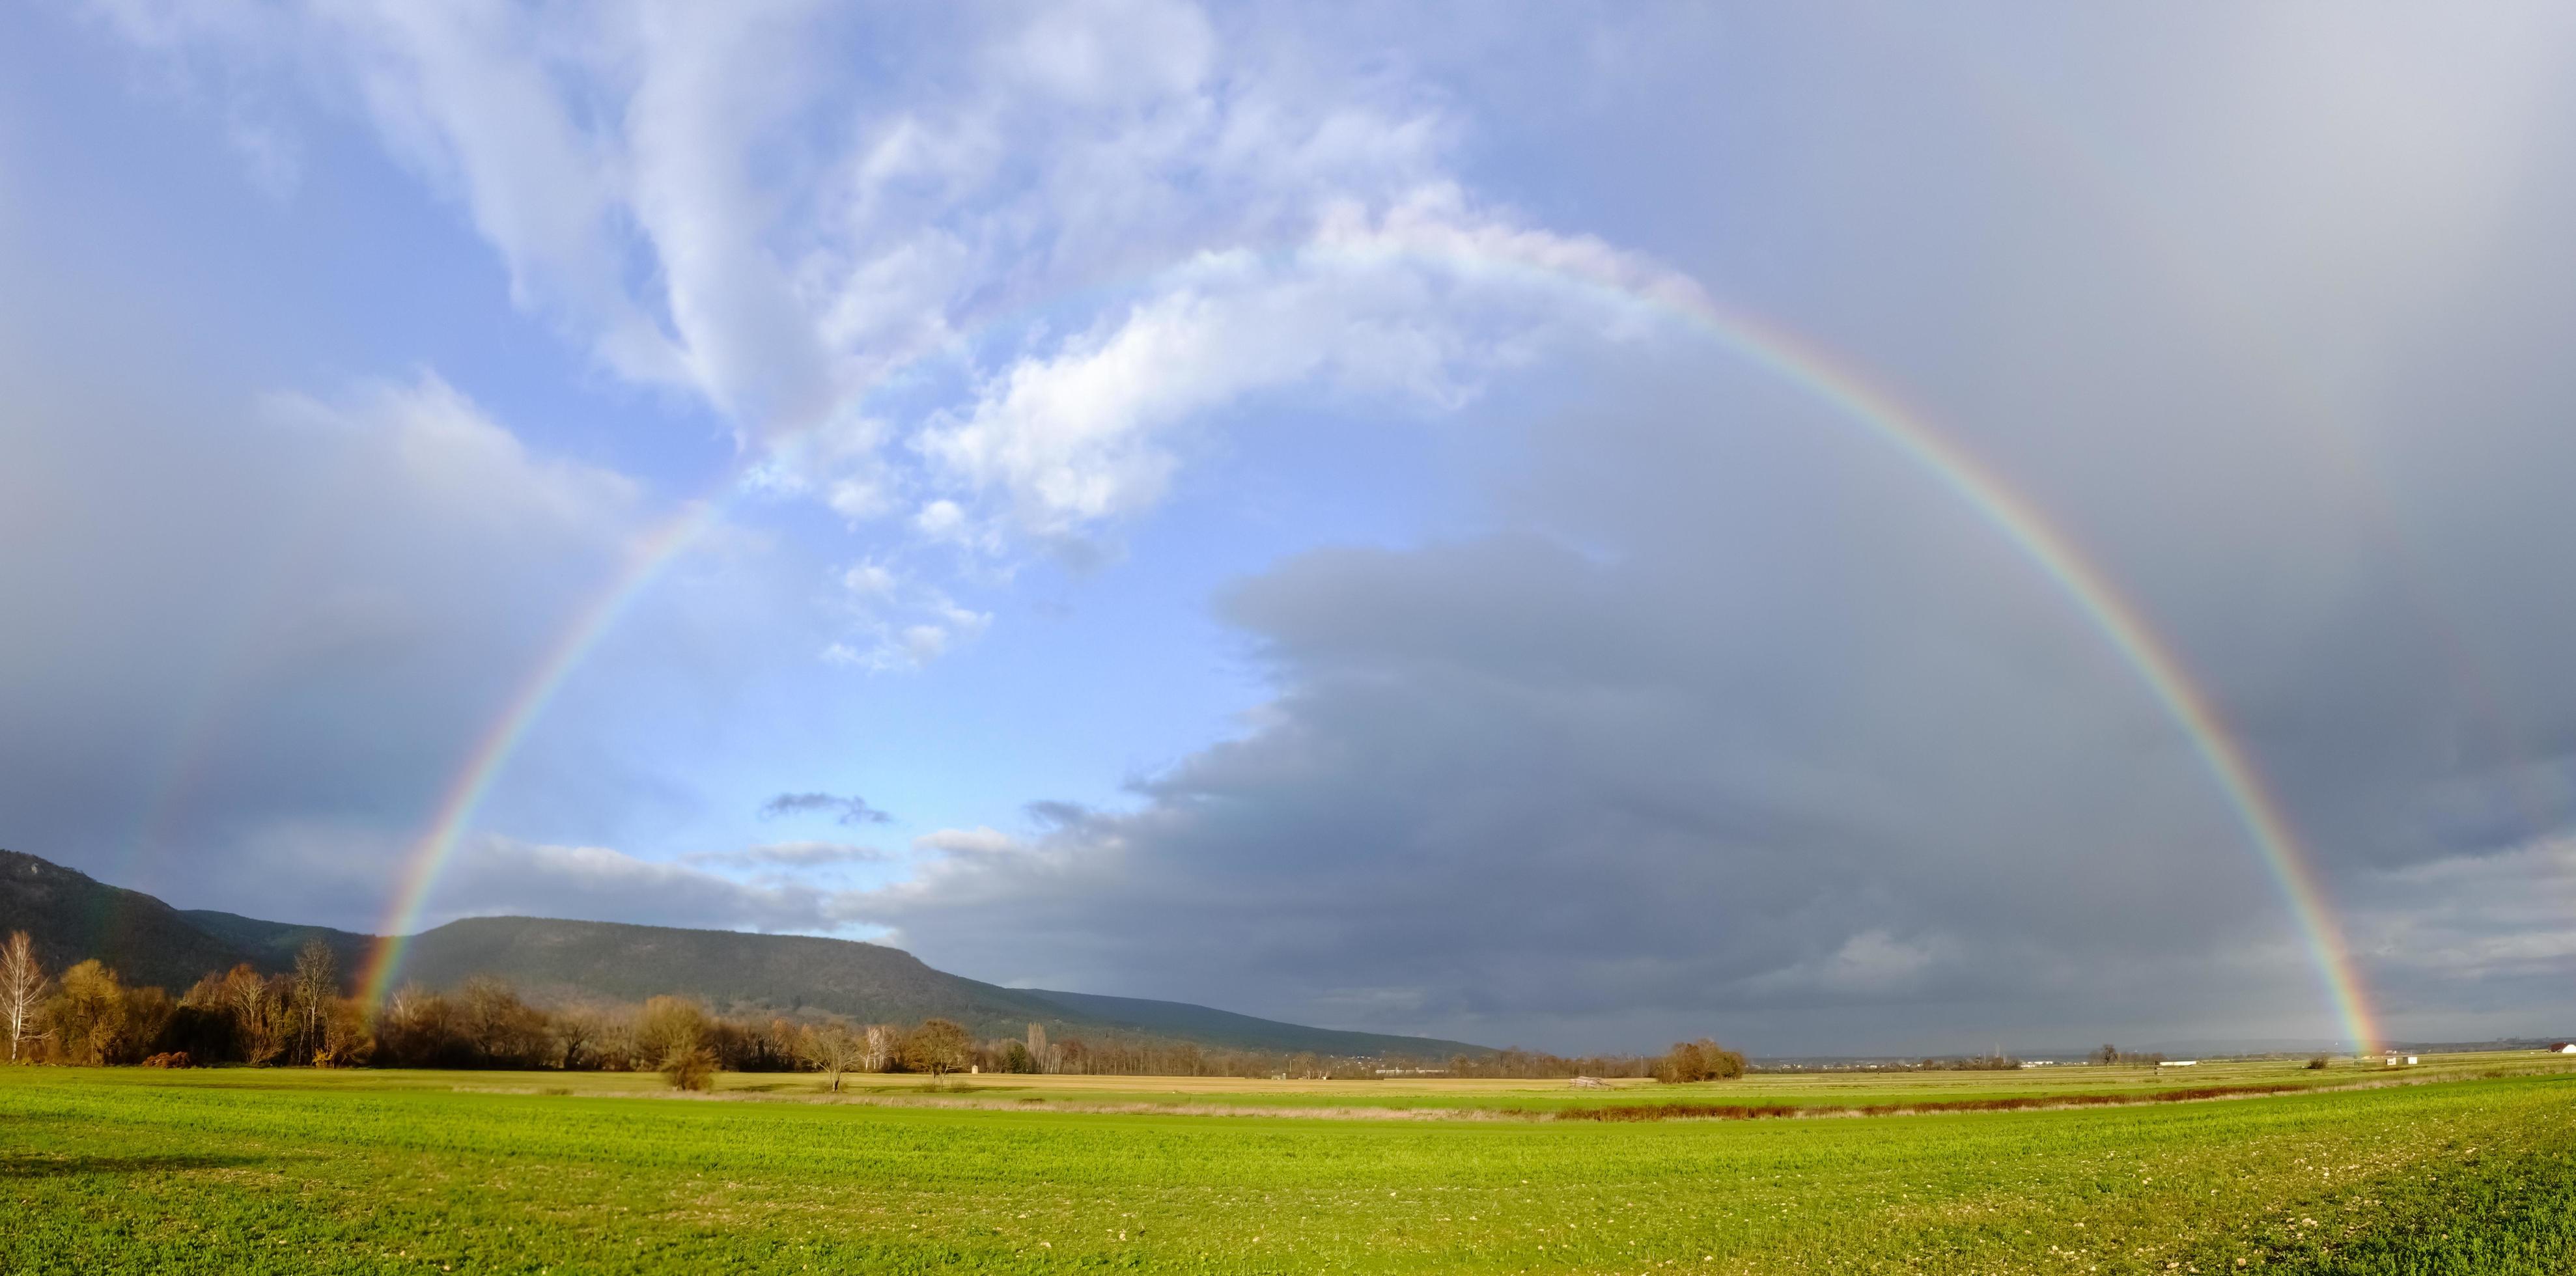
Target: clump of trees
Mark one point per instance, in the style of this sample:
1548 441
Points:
1701 1060
1996 1062
302 1018
2110 1054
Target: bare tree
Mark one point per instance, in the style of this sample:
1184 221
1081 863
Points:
317 981
938 1047
672 1032
878 1054
1038 1048
834 1049
503 1030
22 990
578 1028
259 1022
345 1039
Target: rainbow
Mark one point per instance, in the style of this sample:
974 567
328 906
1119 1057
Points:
456 806
1798 363
2118 621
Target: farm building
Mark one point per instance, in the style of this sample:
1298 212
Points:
2562 1047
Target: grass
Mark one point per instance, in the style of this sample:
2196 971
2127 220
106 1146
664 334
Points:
240 1170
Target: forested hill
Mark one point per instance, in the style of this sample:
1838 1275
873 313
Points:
73 917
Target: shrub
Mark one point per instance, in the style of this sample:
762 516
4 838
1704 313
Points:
2317 1064
693 1068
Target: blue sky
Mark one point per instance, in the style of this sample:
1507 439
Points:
1208 474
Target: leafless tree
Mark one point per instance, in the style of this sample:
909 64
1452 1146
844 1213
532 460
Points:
878 1054
22 991
832 1048
259 1019
672 1032
938 1047
1038 1048
345 1039
580 1028
503 1030
317 981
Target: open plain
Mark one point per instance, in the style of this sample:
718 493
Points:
2467 1163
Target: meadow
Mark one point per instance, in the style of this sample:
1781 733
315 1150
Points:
2470 1167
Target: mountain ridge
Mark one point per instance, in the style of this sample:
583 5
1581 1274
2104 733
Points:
73 917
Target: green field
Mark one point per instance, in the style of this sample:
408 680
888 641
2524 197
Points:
243 1170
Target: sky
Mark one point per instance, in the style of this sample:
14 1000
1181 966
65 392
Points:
1353 514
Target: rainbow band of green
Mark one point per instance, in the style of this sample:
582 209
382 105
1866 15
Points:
1768 346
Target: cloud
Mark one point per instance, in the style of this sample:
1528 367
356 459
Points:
1676 750
1419 304
978 841
1710 712
496 876
2475 938
995 288
259 612
789 855
844 810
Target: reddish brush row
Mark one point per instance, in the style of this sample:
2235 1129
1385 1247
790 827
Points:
1754 1111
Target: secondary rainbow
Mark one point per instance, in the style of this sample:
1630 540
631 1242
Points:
1767 345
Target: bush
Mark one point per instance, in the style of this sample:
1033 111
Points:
2317 1064
693 1068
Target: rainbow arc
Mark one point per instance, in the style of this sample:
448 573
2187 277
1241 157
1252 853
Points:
1834 383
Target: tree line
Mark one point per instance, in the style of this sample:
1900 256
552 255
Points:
300 1018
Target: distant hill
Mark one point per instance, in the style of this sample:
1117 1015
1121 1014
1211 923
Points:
553 961
1180 1019
273 945
73 917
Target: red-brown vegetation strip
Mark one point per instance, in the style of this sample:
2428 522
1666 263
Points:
1756 1111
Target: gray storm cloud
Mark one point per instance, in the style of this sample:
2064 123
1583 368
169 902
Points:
1743 727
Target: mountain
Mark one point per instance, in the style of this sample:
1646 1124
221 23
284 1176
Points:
71 918
1181 1020
551 961
273 945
